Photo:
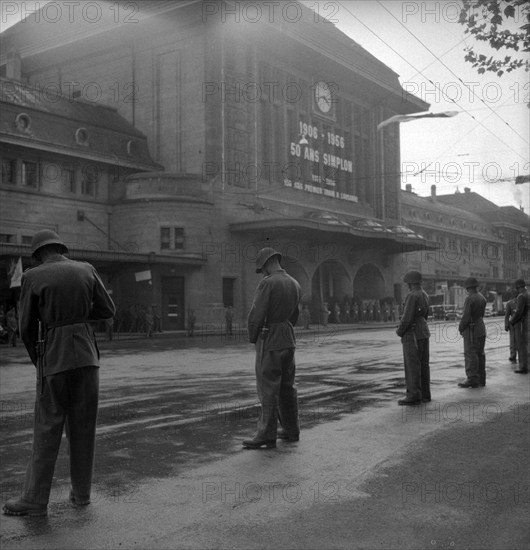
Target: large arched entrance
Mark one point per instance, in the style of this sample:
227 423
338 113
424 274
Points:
369 283
330 285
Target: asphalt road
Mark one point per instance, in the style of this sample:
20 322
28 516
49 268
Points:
171 473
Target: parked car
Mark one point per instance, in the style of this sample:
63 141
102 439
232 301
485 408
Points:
446 313
437 312
451 313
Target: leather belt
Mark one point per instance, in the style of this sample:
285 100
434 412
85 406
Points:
65 323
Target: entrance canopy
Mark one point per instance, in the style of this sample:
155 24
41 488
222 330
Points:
325 227
109 259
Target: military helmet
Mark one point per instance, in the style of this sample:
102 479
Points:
45 237
519 283
412 277
470 282
264 255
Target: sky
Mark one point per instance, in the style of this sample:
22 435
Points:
484 147
488 141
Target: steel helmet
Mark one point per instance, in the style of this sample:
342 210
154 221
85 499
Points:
264 255
519 283
412 277
45 237
470 282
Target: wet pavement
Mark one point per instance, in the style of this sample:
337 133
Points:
171 473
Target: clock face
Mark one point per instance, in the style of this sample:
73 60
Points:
323 97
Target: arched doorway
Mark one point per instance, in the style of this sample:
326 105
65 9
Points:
369 283
331 285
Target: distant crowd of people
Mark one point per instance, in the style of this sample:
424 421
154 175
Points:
350 310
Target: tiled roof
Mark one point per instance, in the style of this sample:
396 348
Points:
427 203
34 118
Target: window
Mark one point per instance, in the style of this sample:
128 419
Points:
165 241
7 238
68 178
179 238
29 174
26 239
172 238
9 171
90 180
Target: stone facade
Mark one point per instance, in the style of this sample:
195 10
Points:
474 238
247 146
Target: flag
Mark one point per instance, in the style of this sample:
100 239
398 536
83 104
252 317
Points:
15 273
143 275
408 118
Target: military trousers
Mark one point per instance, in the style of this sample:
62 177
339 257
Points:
474 357
68 400
417 370
277 393
522 343
513 343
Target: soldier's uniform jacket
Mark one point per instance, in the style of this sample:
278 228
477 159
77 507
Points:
275 305
510 308
522 308
472 316
65 295
415 313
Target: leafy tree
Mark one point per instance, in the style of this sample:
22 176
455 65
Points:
484 19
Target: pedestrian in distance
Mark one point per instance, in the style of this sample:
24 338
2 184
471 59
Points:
133 316
58 300
325 313
355 312
12 326
229 318
473 330
508 327
414 333
149 321
521 323
157 326
270 322
109 329
347 311
305 317
336 309
191 322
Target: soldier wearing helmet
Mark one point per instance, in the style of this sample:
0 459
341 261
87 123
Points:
273 314
415 334
473 330
58 299
521 324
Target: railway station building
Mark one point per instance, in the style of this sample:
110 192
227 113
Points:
167 142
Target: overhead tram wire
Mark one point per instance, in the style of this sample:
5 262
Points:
427 78
452 72
458 141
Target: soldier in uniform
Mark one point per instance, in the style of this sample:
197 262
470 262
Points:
274 311
415 334
510 308
59 297
521 323
473 330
